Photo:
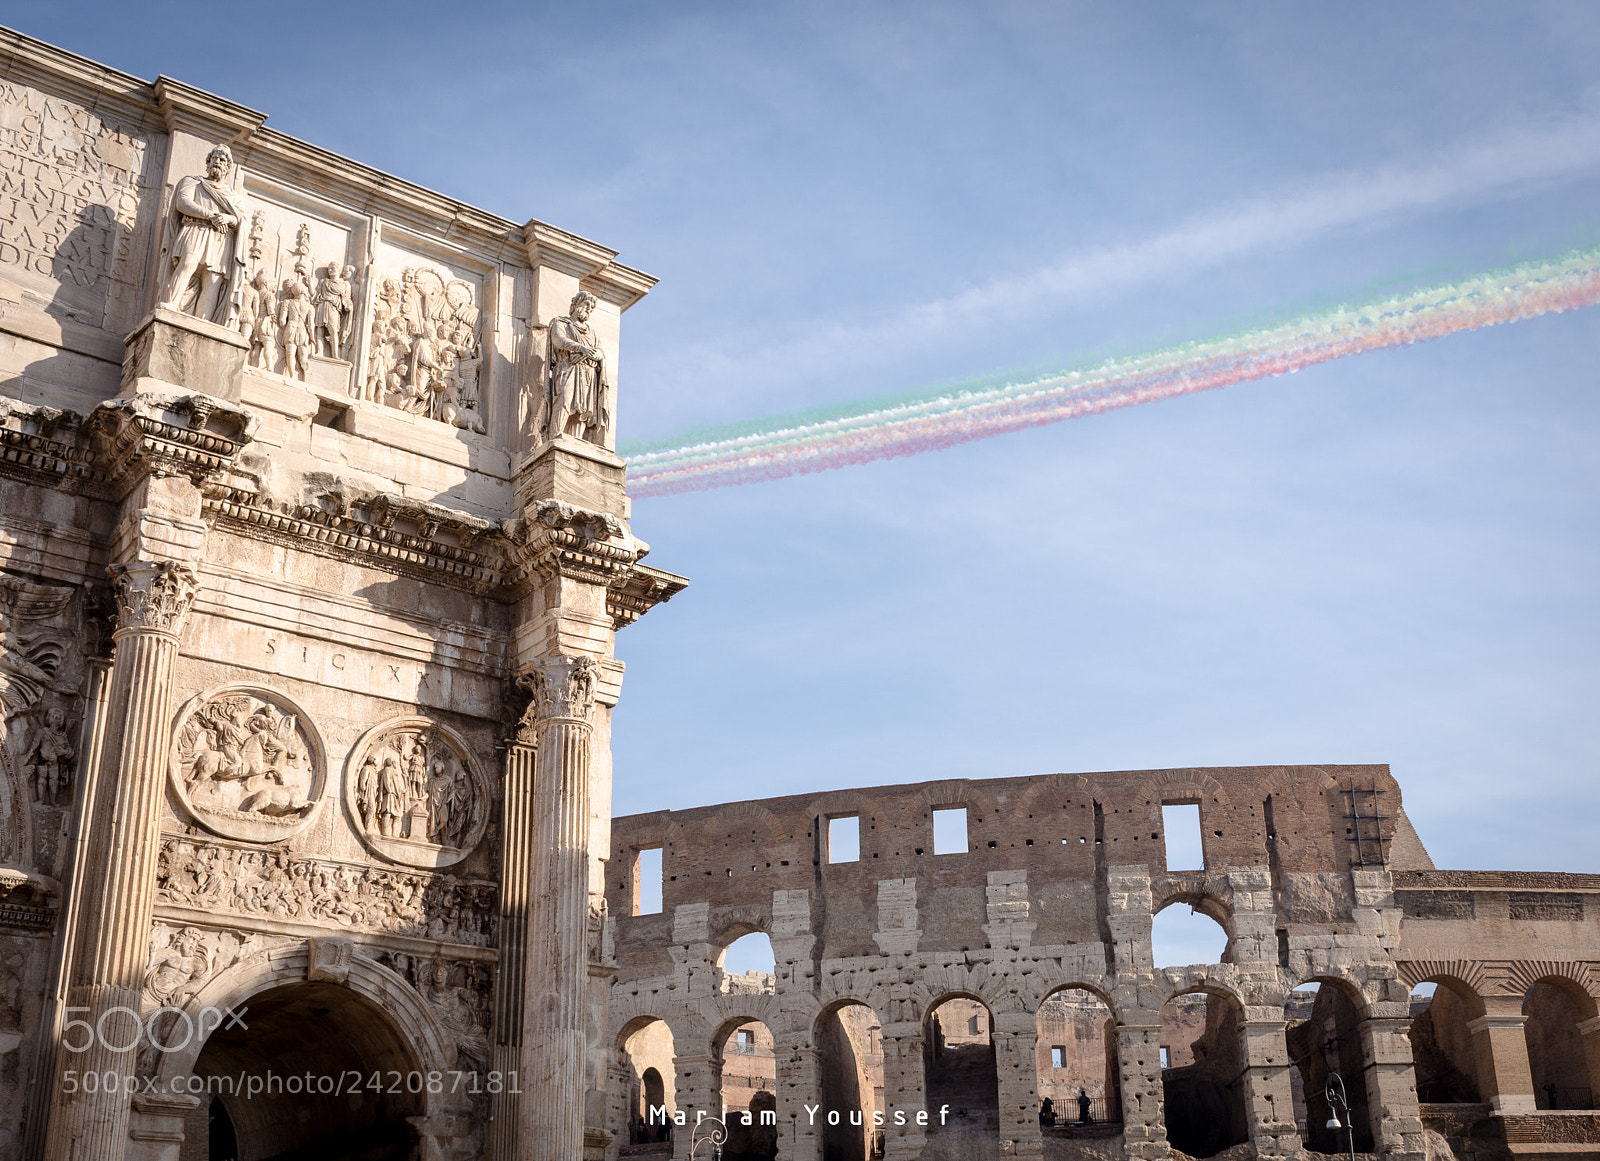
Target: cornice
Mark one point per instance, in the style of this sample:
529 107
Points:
34 62
640 591
187 109
136 434
595 266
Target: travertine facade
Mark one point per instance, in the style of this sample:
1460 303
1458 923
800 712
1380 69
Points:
313 547
1314 873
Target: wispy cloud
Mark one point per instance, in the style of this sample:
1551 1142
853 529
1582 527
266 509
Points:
1511 161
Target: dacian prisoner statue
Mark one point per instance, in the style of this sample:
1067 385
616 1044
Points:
579 402
206 264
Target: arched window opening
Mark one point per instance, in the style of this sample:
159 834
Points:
961 1074
647 1050
1556 1056
1076 1057
1324 1042
1181 936
1202 1074
748 966
749 1086
850 1059
1441 1044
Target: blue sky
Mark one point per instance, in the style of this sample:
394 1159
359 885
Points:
1389 558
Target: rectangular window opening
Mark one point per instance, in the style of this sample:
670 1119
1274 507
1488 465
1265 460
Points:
1180 822
1166 1057
647 882
950 830
844 840
1058 1057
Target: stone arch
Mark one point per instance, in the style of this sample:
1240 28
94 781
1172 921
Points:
961 1068
1283 778
1556 1007
847 1034
1203 903
366 1018
1202 1079
1443 1048
1077 1066
1328 1040
387 990
635 1064
1193 785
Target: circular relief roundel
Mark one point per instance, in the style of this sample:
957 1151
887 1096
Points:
415 794
247 763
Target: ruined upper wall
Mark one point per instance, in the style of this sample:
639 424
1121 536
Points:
90 160
1048 839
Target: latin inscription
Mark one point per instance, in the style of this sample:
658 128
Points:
70 188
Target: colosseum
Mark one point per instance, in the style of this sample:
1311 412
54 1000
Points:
314 552
926 1003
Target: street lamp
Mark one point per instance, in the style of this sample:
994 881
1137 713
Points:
1333 1092
713 1137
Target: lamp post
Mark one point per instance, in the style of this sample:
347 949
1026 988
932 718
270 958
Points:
713 1137
1333 1092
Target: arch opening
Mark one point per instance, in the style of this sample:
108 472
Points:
1202 1073
1184 933
747 1059
1442 1049
849 1039
1078 1081
1556 1053
1323 1037
749 966
646 1049
282 1086
962 1073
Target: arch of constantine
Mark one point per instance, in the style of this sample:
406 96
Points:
314 547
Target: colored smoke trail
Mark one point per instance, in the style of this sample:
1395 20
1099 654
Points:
939 421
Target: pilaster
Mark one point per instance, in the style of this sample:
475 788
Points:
1016 1069
1392 1087
1504 1077
699 1080
1144 1132
1269 1101
799 1085
516 894
904 1089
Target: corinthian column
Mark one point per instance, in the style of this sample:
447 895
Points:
516 895
117 891
555 1044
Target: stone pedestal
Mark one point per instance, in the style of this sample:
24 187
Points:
328 374
574 471
187 352
117 893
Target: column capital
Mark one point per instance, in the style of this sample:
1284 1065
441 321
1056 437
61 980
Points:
152 595
558 688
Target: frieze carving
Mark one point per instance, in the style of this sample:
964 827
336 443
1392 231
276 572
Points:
247 764
459 994
218 877
152 594
49 757
560 688
415 793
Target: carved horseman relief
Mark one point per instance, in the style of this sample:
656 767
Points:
247 764
425 353
414 794
41 674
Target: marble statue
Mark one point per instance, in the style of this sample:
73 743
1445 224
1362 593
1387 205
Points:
206 266
579 394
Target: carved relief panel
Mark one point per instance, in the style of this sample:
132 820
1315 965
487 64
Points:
425 342
415 794
41 675
247 764
306 269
